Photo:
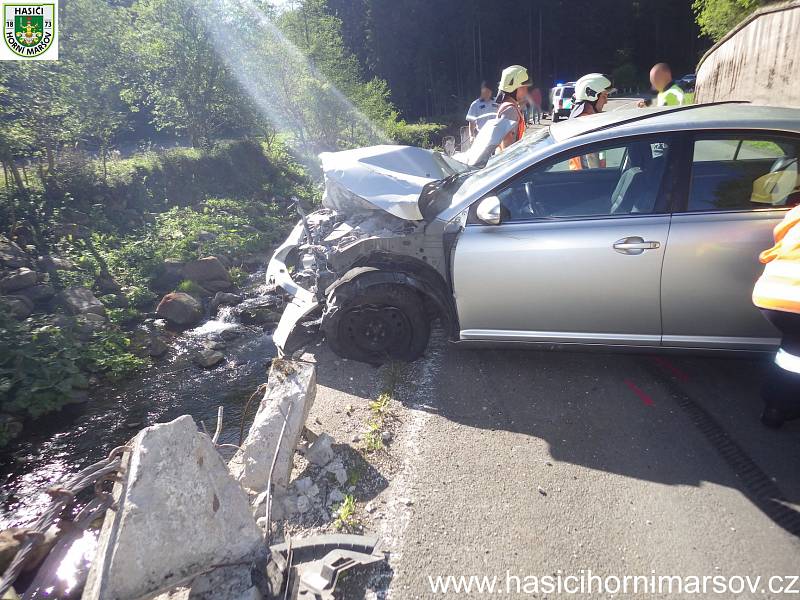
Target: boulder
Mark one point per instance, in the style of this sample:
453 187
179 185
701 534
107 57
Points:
217 285
169 276
291 389
208 358
19 280
41 292
11 255
80 300
206 269
180 513
180 309
158 347
107 284
20 306
51 264
226 299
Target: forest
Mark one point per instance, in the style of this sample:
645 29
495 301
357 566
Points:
175 129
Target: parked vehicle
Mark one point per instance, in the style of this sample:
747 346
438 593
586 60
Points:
656 248
561 100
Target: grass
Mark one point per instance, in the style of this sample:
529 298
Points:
346 518
380 408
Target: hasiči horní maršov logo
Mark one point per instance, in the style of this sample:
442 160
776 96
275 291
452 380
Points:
29 28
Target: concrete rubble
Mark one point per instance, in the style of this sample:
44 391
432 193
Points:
180 513
290 392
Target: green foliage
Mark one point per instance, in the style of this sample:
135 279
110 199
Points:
718 17
190 287
108 352
346 518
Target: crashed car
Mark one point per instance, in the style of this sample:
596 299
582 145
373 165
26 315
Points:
653 243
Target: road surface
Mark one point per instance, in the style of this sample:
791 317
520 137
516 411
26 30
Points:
524 463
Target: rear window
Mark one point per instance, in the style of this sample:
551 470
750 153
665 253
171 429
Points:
568 92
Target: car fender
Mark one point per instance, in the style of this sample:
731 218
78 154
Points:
425 280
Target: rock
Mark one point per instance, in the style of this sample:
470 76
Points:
52 264
80 300
107 284
169 276
20 306
303 504
179 512
180 309
262 522
321 453
41 292
10 427
205 270
336 468
157 347
18 280
11 255
303 485
335 496
290 391
217 285
386 436
225 299
208 358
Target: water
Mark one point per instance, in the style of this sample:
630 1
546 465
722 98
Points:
61 444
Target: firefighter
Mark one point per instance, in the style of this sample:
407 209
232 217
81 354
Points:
777 294
591 95
512 95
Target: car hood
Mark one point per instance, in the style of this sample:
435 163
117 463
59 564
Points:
389 178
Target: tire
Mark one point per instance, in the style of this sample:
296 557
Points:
379 323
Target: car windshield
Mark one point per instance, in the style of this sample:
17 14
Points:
441 194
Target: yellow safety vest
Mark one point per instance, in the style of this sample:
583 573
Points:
778 288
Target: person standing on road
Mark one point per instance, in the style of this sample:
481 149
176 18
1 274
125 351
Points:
591 96
481 109
777 294
668 90
512 96
536 102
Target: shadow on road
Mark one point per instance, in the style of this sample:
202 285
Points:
675 421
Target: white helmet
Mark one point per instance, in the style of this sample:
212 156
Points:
589 87
512 78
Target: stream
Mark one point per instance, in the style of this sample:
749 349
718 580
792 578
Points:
62 443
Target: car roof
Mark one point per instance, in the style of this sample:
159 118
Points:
725 115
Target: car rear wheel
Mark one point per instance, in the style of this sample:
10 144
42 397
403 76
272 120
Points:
380 323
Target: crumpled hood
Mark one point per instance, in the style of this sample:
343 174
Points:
385 177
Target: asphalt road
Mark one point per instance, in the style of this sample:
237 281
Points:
533 463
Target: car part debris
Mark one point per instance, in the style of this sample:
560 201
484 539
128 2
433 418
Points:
310 568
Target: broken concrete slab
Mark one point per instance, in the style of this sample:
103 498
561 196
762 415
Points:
179 514
321 453
291 389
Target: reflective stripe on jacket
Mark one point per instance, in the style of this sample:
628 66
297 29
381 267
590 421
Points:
675 96
778 288
520 119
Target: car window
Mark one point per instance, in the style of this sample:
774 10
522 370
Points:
735 173
603 180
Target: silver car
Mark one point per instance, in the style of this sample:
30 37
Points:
635 228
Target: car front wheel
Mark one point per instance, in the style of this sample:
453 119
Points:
379 323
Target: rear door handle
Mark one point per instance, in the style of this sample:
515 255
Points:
634 245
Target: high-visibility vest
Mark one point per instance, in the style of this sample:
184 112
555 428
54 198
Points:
778 288
674 95
520 119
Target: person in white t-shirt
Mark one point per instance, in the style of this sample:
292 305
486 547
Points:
481 109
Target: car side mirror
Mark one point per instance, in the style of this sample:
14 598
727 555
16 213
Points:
488 210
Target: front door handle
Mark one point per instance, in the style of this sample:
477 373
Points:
634 245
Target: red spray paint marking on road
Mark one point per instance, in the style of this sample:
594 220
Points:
643 396
665 364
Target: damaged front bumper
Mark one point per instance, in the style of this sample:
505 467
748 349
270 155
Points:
303 301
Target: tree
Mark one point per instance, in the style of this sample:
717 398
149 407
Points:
718 17
178 75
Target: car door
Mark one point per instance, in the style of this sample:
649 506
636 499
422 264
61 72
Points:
577 257
740 186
